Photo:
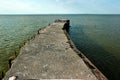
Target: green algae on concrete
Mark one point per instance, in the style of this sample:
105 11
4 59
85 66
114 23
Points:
49 56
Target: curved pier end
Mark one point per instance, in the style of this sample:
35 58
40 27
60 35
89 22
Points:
49 56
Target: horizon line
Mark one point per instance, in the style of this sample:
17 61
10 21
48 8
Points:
64 14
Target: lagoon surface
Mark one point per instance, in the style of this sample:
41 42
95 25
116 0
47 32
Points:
97 36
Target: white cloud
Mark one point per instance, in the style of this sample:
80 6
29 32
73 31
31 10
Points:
57 6
35 7
15 6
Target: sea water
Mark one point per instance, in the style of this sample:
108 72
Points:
14 31
97 36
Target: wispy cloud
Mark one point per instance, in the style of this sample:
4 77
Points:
59 6
15 6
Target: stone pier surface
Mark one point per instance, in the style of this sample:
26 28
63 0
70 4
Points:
49 56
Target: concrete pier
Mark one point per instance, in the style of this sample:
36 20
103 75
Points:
49 56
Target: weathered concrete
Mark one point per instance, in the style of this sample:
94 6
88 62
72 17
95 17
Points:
49 56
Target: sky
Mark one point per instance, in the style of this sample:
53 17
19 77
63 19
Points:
59 6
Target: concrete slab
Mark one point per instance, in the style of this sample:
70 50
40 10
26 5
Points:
49 56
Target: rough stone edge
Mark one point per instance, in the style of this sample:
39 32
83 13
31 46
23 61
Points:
99 75
13 58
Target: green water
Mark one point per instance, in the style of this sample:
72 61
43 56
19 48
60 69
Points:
14 31
97 36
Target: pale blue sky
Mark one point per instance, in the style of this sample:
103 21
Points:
59 6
